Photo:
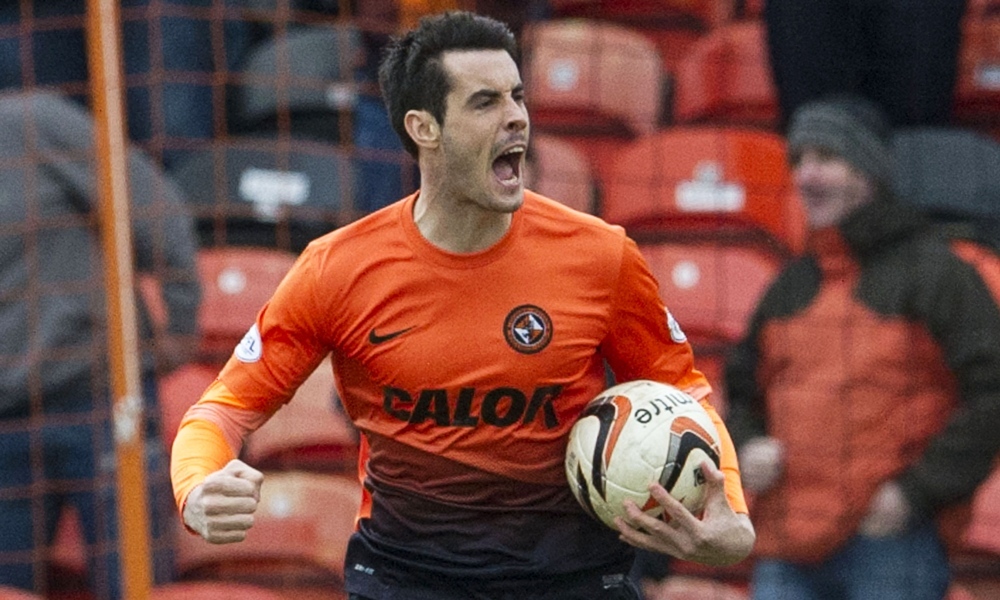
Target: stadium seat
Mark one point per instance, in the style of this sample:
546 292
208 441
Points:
177 391
982 8
711 361
558 169
711 288
299 81
213 590
278 194
706 179
694 588
983 533
952 174
977 89
726 78
236 282
589 76
299 536
699 14
309 433
9 593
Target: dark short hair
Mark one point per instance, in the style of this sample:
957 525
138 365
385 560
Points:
411 75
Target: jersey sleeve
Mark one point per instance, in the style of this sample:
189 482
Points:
278 353
646 342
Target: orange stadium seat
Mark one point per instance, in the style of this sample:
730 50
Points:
236 282
702 14
706 179
589 76
726 78
9 593
711 361
299 536
309 433
983 533
558 169
711 288
213 590
982 8
694 588
977 90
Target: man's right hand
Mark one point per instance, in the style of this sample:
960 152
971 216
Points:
762 460
221 508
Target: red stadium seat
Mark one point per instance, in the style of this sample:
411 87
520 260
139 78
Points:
309 433
559 170
711 288
706 179
299 536
588 76
178 391
693 588
726 78
9 593
983 533
236 282
213 590
702 14
711 362
977 90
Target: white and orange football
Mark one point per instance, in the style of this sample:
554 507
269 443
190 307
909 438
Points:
634 434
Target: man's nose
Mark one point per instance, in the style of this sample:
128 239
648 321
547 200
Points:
517 115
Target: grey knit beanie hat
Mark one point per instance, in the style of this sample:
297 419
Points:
851 127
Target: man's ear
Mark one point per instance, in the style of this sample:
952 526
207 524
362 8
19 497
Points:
422 128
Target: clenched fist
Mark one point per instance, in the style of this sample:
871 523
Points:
221 508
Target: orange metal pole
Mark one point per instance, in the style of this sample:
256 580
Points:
111 160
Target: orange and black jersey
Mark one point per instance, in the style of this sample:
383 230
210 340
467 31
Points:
465 374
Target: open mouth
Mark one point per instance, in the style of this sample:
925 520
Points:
507 166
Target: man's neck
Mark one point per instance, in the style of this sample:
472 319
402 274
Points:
457 224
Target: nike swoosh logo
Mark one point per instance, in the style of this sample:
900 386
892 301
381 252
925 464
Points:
375 338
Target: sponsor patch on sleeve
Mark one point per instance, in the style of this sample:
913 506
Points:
676 333
250 348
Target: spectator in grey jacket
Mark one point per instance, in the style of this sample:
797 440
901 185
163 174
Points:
56 446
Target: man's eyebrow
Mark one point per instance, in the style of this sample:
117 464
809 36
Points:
483 95
491 94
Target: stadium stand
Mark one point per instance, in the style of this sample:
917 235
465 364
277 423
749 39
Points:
633 106
722 181
236 283
589 76
210 590
693 14
711 286
8 593
726 79
694 588
300 82
595 84
178 391
280 194
558 169
952 174
977 91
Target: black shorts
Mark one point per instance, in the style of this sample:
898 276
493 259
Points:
623 589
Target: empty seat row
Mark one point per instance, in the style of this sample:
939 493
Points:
599 76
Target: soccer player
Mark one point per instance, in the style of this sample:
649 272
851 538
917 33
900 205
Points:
468 325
